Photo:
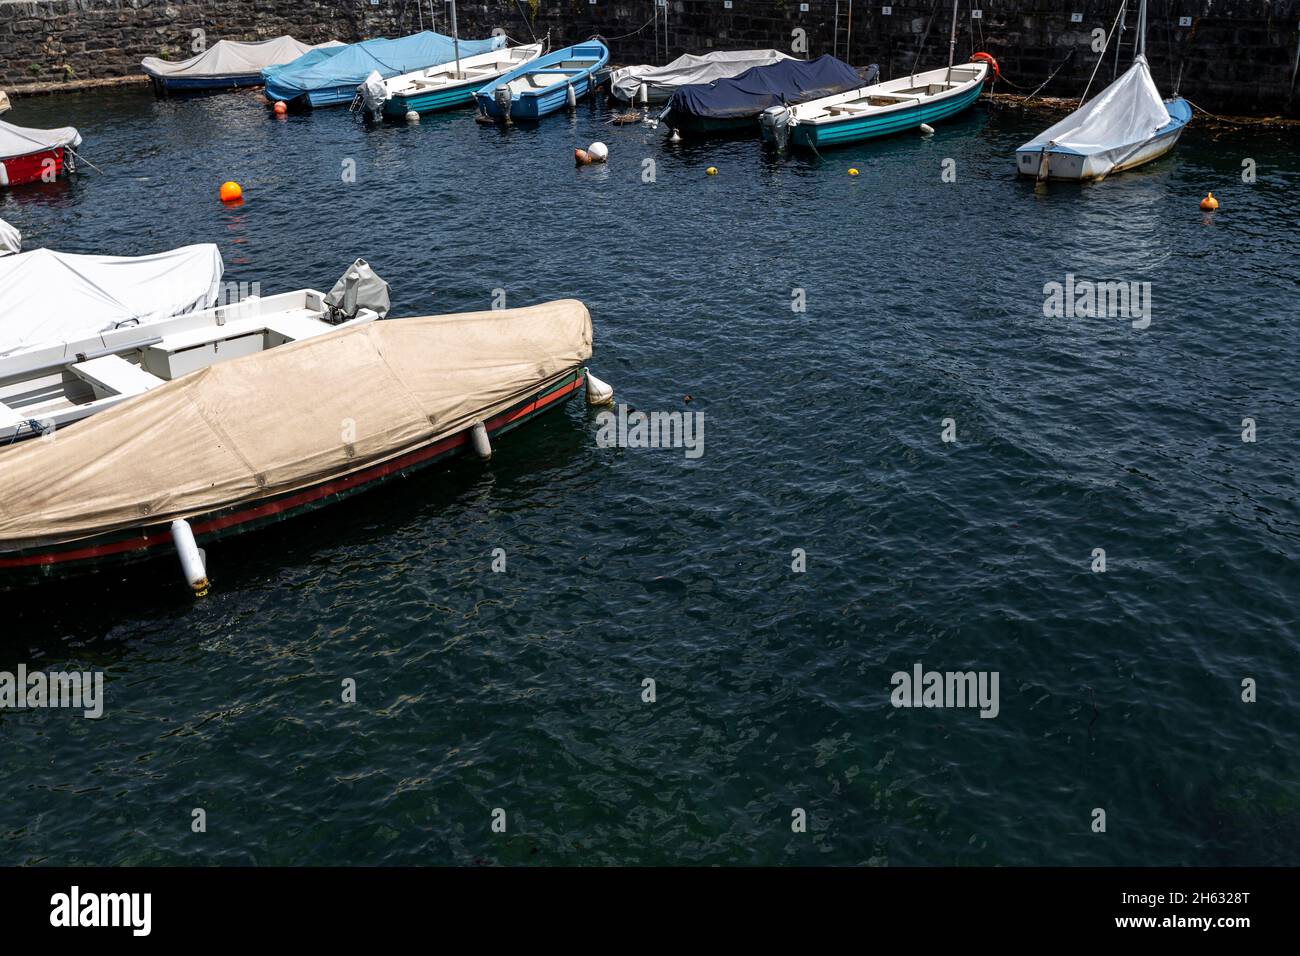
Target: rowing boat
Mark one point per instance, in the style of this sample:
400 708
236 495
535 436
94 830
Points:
545 85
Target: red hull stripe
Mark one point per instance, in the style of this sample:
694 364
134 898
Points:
28 169
299 499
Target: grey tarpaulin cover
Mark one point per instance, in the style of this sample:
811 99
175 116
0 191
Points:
268 423
688 68
234 58
20 140
53 296
359 287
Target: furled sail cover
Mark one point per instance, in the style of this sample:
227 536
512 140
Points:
233 58
11 240
56 296
790 81
19 140
269 423
350 65
688 69
1127 112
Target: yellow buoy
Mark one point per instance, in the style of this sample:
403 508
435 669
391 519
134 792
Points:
852 171
1209 203
231 191
712 170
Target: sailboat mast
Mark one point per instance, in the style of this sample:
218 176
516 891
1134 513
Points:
1142 29
455 37
952 39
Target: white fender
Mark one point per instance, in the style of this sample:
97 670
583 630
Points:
598 392
478 437
191 555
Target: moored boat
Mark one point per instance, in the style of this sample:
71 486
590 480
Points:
59 381
279 433
11 240
646 84
35 155
876 110
734 104
545 85
330 77
4 101
450 85
1125 125
227 64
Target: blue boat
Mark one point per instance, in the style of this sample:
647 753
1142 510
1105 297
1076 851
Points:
331 77
876 110
545 85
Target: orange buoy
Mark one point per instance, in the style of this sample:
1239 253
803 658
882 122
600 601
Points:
231 191
1209 203
581 157
280 107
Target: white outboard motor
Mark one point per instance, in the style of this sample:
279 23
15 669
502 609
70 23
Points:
373 94
774 124
503 96
358 288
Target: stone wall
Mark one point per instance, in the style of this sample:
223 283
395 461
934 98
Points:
1235 56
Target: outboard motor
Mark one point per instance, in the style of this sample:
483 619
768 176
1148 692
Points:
358 288
774 124
503 96
371 95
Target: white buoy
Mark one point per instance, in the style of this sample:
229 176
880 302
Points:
478 437
598 392
675 138
570 98
192 557
598 152
927 129
412 116
643 94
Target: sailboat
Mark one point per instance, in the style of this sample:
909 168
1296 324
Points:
1126 125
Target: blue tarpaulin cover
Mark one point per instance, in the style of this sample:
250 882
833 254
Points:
790 81
350 65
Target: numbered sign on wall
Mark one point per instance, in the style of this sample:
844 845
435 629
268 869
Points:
803 8
977 14
1184 21
886 11
726 4
1076 18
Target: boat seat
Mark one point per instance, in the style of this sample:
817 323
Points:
211 333
9 419
295 327
114 374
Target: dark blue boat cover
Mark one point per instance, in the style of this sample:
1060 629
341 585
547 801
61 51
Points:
790 81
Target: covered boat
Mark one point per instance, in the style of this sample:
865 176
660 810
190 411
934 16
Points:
227 64
49 387
31 155
330 77
55 296
878 109
259 439
4 101
545 85
734 104
11 240
449 85
660 82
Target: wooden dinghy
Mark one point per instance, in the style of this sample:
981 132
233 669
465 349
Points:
451 85
278 433
545 85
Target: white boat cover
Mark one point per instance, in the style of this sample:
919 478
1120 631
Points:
4 101
686 69
11 240
269 423
19 140
1126 113
54 297
234 58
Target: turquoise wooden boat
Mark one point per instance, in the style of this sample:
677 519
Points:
446 86
876 110
545 85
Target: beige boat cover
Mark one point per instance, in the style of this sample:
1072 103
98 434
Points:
282 420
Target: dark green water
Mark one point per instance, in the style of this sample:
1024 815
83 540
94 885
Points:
522 690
